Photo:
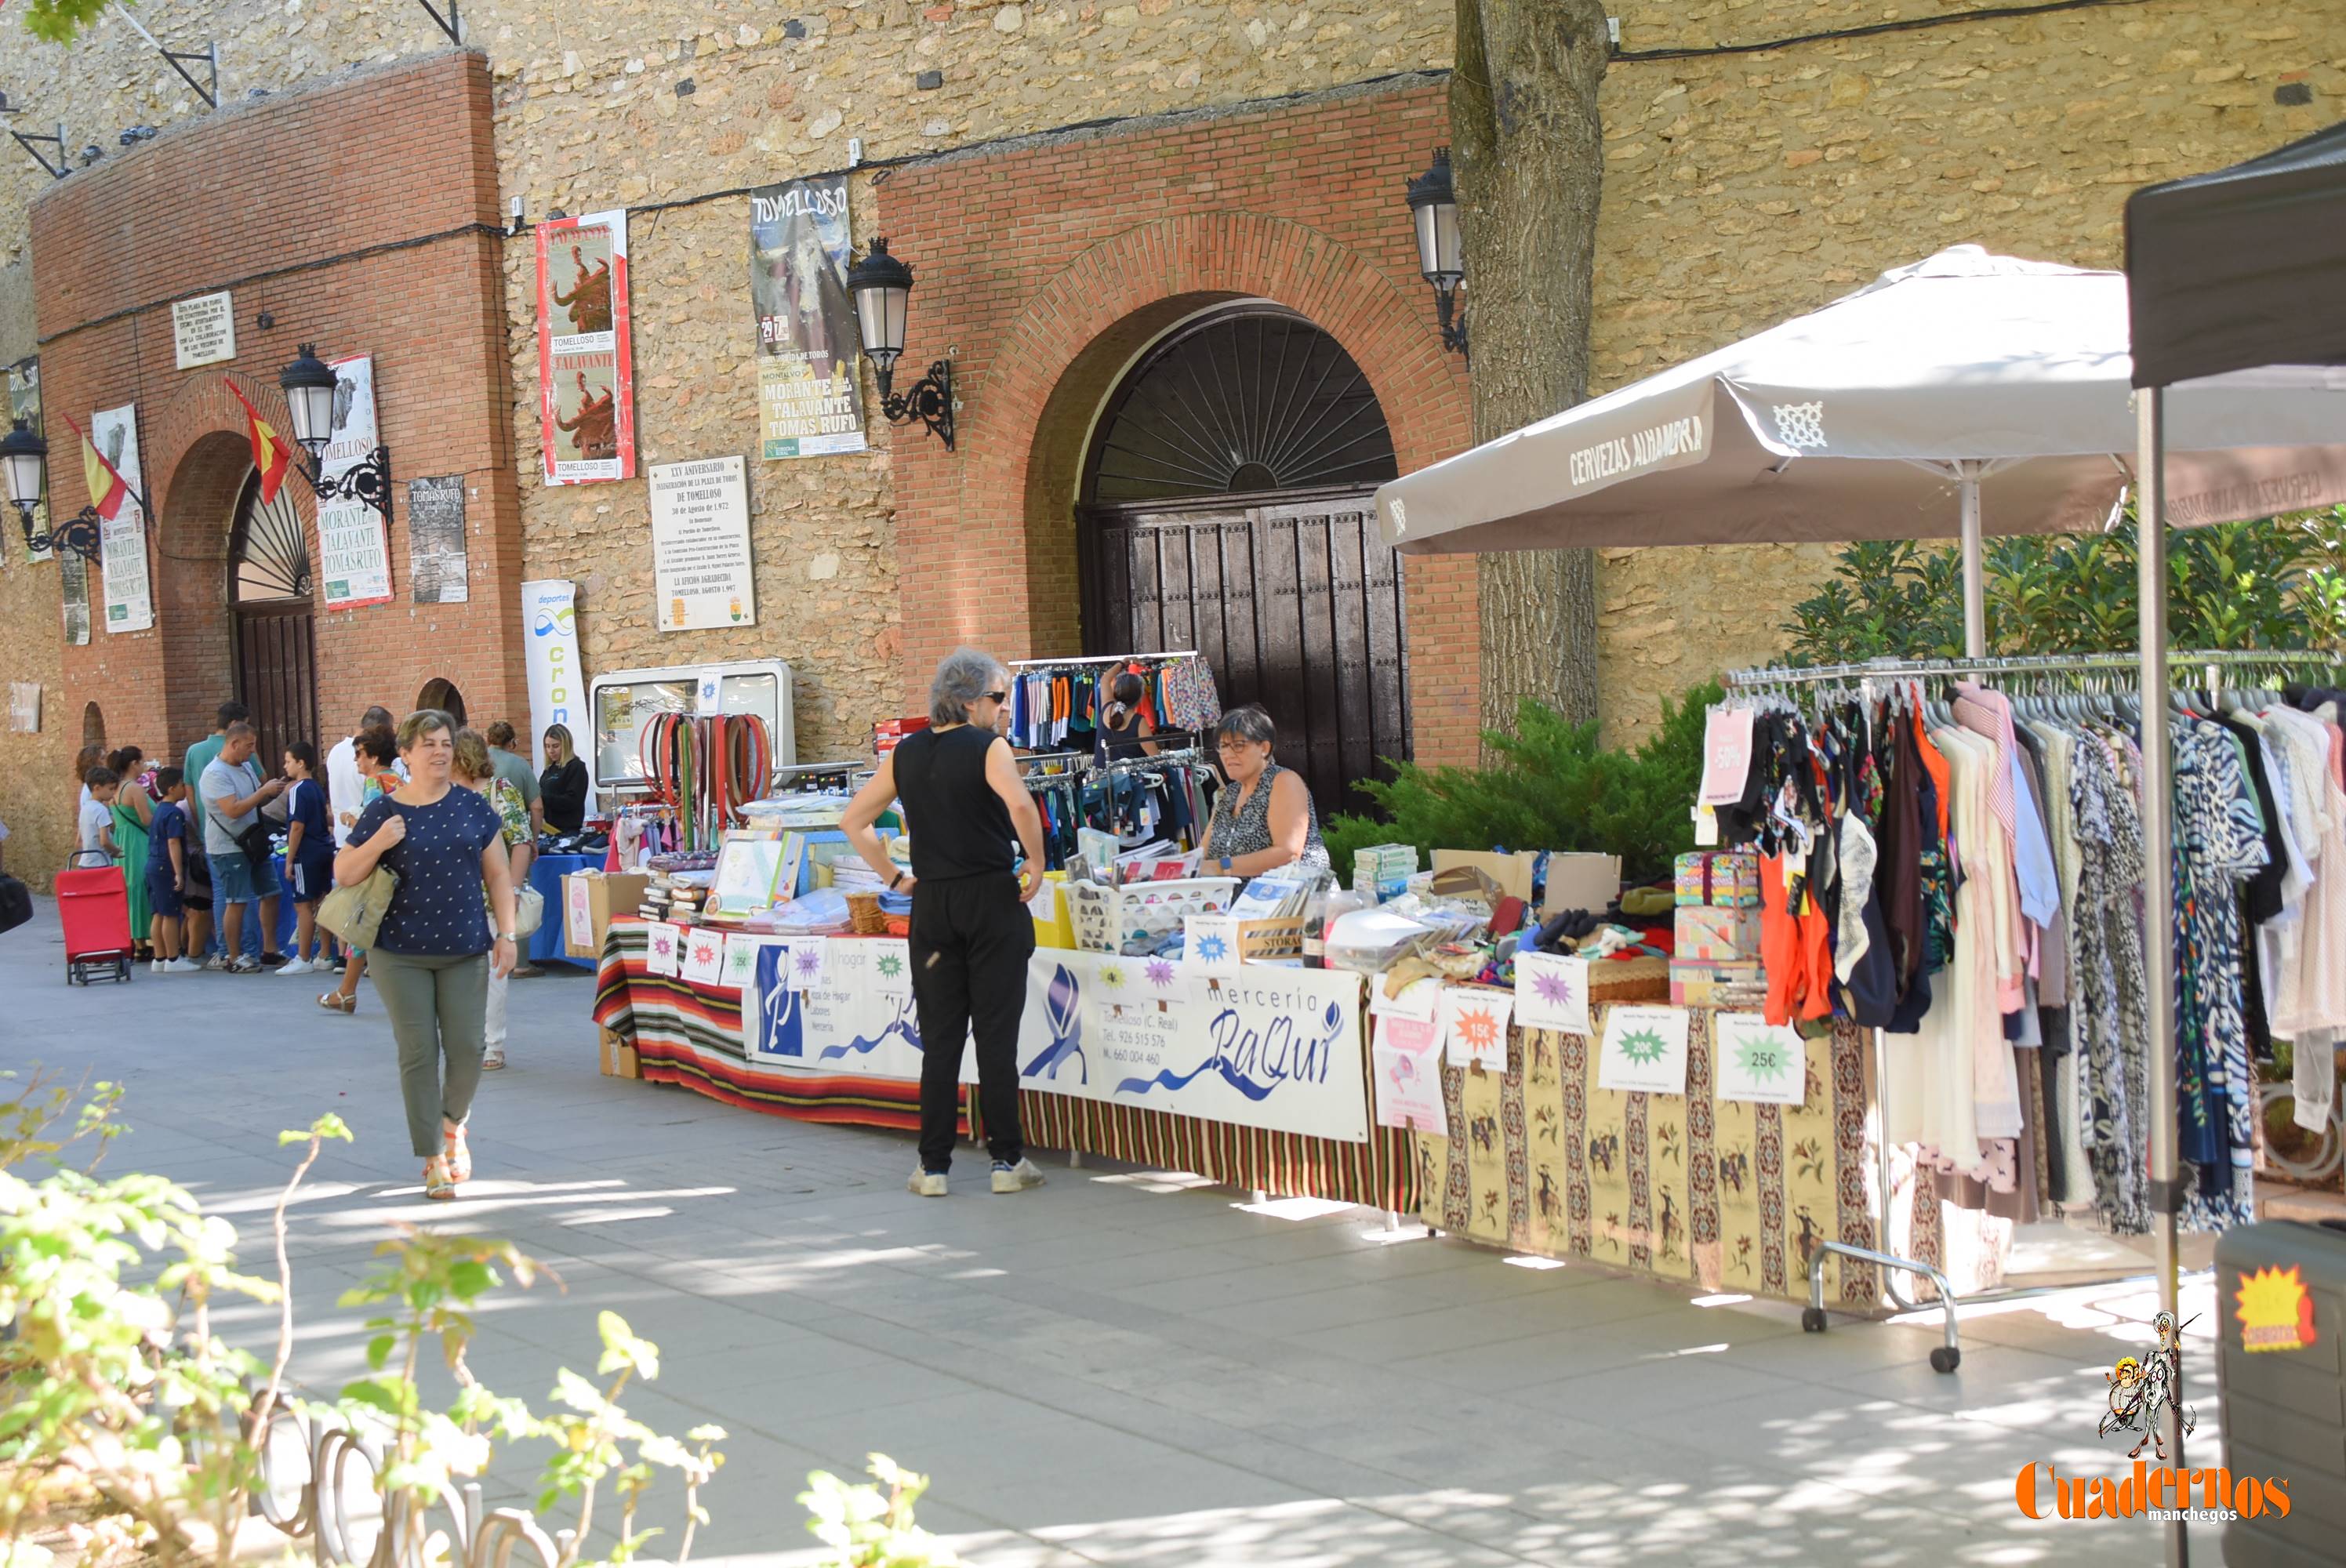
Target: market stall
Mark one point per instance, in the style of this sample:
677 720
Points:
1965 393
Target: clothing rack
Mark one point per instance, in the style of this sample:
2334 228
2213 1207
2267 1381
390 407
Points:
2185 669
2022 664
1099 659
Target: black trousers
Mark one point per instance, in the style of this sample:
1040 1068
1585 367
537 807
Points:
970 941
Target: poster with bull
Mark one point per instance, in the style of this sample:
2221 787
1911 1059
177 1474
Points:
586 379
809 403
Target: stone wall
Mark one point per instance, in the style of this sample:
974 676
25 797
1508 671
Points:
1742 190
36 795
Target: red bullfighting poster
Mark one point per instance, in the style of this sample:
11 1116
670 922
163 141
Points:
586 382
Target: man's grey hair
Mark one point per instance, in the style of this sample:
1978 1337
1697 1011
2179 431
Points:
963 677
375 716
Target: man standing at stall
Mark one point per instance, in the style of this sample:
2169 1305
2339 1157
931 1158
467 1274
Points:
964 807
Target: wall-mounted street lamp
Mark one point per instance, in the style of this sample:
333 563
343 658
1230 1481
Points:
309 384
882 286
24 470
1433 208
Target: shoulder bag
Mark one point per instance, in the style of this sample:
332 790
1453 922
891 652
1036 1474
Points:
356 912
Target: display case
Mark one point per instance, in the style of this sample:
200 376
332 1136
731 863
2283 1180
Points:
624 701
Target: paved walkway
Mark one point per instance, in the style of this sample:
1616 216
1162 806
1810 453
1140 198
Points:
1124 1367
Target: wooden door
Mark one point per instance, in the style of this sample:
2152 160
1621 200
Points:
277 674
1296 603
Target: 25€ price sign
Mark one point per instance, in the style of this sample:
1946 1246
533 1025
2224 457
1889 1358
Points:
1758 1060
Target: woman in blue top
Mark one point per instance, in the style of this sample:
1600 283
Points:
434 951
309 855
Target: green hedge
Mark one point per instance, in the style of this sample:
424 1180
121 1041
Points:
1550 786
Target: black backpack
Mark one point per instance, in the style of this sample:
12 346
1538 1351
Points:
15 903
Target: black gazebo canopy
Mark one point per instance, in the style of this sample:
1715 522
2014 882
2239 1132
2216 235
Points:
2240 268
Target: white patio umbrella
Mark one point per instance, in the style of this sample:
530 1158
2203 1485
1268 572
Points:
1965 393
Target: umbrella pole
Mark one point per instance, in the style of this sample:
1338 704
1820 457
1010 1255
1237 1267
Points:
1974 565
2157 883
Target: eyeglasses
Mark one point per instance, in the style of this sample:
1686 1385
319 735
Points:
994 695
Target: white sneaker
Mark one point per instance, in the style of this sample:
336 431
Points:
154 966
927 1184
296 966
179 966
1018 1177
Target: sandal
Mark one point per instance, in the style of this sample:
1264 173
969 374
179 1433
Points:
457 1155
492 1059
335 1002
437 1183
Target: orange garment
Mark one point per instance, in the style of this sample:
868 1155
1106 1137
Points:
1783 949
1935 763
1816 958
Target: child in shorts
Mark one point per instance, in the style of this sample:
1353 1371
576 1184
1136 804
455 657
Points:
167 875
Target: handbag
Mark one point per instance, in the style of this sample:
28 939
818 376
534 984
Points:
529 912
354 913
15 903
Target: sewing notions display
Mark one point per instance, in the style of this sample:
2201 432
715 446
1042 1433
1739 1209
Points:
707 769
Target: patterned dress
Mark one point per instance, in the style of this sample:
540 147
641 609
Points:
2219 844
2107 985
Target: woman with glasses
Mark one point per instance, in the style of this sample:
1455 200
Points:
965 809
1264 820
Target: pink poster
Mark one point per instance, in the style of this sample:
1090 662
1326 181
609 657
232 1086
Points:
1406 1064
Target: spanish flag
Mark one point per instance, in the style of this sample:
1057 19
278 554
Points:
107 489
269 454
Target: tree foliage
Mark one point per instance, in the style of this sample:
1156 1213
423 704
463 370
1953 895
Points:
59 20
2274 583
1549 786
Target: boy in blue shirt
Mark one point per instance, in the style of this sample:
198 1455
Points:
167 874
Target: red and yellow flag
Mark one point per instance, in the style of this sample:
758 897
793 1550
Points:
107 489
270 452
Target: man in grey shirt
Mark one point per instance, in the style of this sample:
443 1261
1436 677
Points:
233 795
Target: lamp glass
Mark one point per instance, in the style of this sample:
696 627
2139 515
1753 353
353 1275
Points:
1440 255
312 408
24 475
880 313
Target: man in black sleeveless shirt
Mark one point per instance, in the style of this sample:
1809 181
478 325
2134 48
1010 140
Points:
963 806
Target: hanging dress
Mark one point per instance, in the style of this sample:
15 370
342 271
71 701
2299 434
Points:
2220 828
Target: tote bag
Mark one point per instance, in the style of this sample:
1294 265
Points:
356 912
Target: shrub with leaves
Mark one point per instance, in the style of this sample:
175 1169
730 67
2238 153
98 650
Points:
871 1526
1549 786
111 1371
2276 582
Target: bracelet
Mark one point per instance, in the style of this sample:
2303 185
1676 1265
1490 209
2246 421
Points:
895 881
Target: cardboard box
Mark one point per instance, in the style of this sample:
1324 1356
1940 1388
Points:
1706 934
1054 925
618 1057
1512 872
1715 985
589 900
1580 883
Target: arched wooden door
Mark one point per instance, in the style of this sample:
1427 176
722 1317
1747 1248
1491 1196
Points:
269 590
1227 508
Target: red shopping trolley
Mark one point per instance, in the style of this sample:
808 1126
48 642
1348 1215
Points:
93 904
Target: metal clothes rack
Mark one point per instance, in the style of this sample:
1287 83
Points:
1100 660
2181 667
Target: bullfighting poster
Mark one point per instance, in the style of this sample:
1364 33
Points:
122 540
586 382
353 550
809 403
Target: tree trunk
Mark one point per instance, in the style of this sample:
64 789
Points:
1527 155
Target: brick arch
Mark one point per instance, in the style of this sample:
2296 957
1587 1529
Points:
1028 409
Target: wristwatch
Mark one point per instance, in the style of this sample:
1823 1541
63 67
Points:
1226 865
511 936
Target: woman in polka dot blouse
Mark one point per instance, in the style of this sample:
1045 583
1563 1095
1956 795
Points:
433 956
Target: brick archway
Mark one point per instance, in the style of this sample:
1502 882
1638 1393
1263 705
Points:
988 537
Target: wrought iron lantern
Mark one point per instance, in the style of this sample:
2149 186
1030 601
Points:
311 389
24 457
882 285
1433 208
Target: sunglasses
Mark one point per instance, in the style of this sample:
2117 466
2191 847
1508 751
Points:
994 695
